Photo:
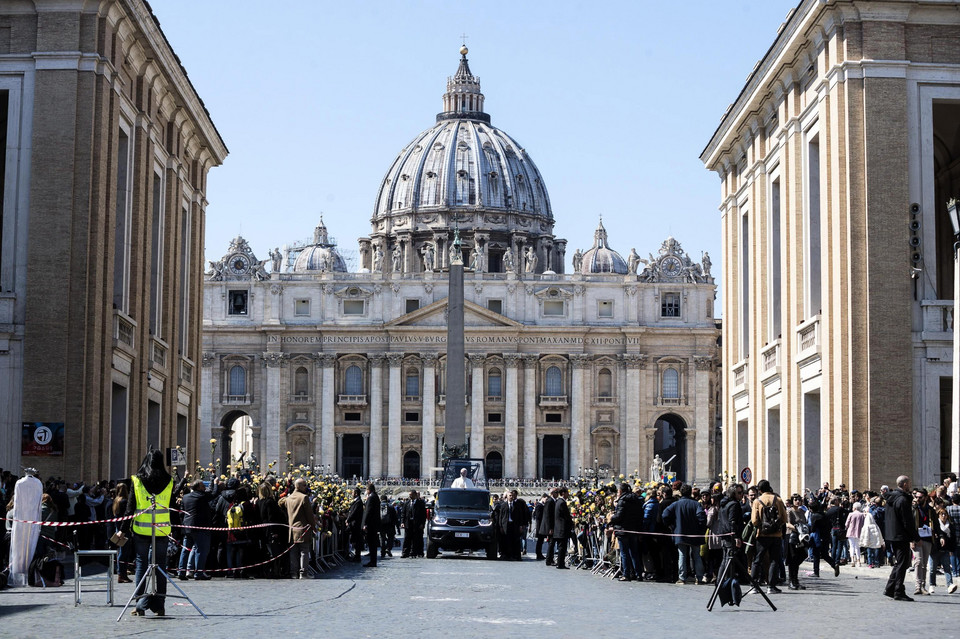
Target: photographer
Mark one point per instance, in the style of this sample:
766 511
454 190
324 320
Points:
798 536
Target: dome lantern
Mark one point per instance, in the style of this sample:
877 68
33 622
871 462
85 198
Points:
463 99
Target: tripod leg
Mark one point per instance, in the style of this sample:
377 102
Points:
721 577
180 590
755 586
136 589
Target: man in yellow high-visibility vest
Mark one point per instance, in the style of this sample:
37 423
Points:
150 502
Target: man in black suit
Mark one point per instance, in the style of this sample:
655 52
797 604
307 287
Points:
537 520
545 529
414 519
371 524
512 516
562 528
355 524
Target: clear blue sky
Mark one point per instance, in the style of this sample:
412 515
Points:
613 101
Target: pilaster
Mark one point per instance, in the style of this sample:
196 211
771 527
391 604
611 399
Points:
532 444
327 404
428 453
476 406
394 461
511 431
375 458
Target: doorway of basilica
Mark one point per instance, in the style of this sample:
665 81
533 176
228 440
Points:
670 441
411 465
494 465
351 456
236 438
553 462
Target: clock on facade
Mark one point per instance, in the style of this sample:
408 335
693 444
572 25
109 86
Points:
671 265
239 264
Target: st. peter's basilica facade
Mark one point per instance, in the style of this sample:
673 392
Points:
605 366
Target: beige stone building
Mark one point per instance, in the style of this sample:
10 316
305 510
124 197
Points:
602 367
107 148
836 162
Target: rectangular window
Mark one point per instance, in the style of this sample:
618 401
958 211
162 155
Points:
670 305
353 307
352 417
605 308
775 261
413 305
494 418
411 418
301 308
121 228
156 258
495 305
553 308
553 418
185 234
813 227
237 303
745 285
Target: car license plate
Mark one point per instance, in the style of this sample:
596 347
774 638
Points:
462 534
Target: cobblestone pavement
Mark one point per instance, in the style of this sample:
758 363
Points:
466 596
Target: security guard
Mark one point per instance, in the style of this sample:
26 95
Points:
152 491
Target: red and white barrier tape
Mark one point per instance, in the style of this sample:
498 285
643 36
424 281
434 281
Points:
72 523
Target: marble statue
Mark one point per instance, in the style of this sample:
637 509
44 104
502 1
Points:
377 259
397 259
428 257
276 258
577 261
531 260
633 261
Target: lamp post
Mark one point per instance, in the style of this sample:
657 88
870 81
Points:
954 214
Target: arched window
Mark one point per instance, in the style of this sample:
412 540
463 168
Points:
671 384
238 380
605 383
353 381
554 382
300 381
494 385
413 383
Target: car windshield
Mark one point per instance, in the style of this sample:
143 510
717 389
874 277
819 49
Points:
464 500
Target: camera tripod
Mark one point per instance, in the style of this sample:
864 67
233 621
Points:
731 561
149 580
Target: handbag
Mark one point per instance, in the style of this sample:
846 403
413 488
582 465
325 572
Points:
118 539
749 535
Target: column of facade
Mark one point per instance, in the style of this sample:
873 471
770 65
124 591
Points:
631 395
317 403
338 468
428 441
271 403
702 424
365 466
578 417
539 444
212 396
511 430
530 439
375 457
327 403
394 468
477 448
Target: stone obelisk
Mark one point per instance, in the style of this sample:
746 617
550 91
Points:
455 429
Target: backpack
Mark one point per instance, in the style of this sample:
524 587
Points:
730 592
770 521
45 570
235 517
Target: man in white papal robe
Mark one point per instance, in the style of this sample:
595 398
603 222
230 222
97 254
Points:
23 539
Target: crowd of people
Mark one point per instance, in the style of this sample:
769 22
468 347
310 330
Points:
677 533
240 527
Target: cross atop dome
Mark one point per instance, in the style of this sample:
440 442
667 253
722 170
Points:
463 99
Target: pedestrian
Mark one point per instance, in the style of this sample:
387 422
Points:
769 516
25 506
198 508
901 533
942 548
562 527
627 520
150 505
798 535
354 523
388 530
371 524
302 522
545 530
854 526
414 520
688 521
923 519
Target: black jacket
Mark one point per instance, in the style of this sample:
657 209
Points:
562 521
415 514
355 515
518 513
371 514
899 522
628 513
546 520
730 519
198 508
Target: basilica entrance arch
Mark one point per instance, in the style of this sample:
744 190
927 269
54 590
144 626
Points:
351 456
411 465
494 465
236 436
671 439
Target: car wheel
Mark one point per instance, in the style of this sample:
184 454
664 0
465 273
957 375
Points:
432 550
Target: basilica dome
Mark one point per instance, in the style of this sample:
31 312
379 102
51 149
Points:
320 256
463 162
600 258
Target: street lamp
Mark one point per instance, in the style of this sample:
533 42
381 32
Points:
954 214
